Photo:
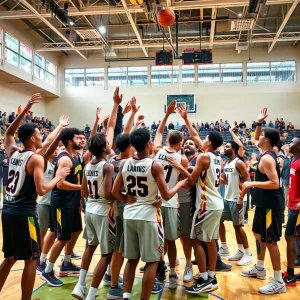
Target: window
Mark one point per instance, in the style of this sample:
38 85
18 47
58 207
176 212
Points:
1 41
258 72
137 76
95 77
164 74
11 52
50 72
232 72
283 71
209 73
117 76
25 58
74 77
188 74
39 68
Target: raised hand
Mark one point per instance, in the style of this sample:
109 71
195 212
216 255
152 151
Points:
134 107
127 108
33 100
140 120
64 121
117 98
182 111
171 107
263 115
98 111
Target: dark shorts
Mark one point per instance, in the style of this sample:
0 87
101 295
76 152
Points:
21 237
268 223
293 224
65 221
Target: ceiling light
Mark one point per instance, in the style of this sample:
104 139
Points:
71 23
102 29
240 15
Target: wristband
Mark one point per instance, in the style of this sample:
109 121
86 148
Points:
258 124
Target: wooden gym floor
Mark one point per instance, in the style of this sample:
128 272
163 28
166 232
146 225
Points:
231 284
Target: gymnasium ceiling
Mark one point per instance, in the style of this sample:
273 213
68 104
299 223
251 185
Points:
131 28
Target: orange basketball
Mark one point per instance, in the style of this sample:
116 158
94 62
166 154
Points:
165 17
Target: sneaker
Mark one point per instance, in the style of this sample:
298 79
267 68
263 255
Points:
68 268
188 274
40 267
115 293
224 252
289 280
246 221
246 260
157 288
194 262
173 280
75 256
107 280
79 291
51 279
200 286
297 276
176 263
214 282
236 256
254 272
273 287
222 267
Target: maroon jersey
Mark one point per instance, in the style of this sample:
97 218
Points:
294 188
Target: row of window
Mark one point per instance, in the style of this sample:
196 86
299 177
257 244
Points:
20 55
213 73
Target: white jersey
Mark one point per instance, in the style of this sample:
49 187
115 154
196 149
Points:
48 176
207 195
233 188
139 181
97 204
171 174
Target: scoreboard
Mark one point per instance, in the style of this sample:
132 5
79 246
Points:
198 56
163 57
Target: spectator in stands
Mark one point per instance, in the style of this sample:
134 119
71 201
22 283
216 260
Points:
211 126
198 127
253 126
5 120
282 124
226 126
245 140
242 125
264 123
87 129
171 126
206 126
177 126
11 117
202 127
153 126
277 123
3 129
217 126
290 127
222 125
271 125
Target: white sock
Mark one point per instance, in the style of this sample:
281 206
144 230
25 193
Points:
247 251
126 295
204 275
49 267
211 274
82 276
92 293
224 245
43 257
241 247
188 264
172 271
278 275
67 258
260 264
108 272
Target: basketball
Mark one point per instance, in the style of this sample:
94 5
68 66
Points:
136 2
166 17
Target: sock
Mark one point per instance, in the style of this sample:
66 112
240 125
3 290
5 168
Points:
43 257
278 275
211 274
241 247
188 264
49 267
82 277
204 275
92 293
247 251
67 258
290 271
108 272
260 264
172 271
126 295
224 245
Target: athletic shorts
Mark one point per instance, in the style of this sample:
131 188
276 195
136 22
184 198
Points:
21 237
143 239
101 230
232 213
206 224
186 219
65 221
268 223
120 233
293 224
44 217
171 222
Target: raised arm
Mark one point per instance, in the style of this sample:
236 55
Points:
138 122
10 143
95 126
159 133
134 110
258 130
51 149
241 151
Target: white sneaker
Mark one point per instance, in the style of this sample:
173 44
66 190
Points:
224 252
79 291
246 260
254 272
188 274
176 263
273 287
173 279
236 256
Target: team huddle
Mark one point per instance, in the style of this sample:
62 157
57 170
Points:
138 198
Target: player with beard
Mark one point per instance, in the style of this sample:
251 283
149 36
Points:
65 208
